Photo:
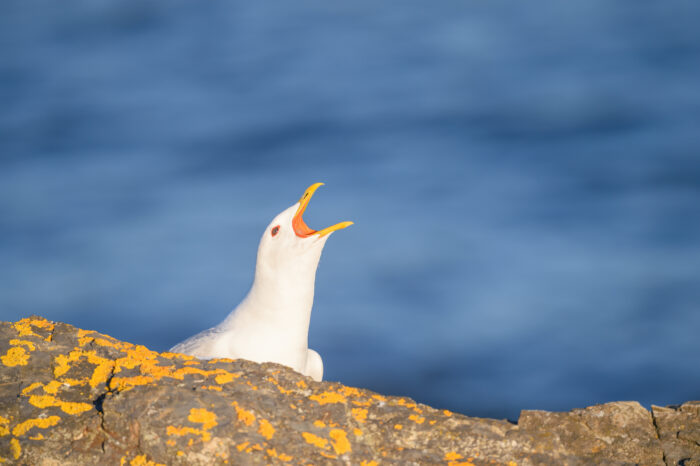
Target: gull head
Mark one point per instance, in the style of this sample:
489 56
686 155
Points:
288 244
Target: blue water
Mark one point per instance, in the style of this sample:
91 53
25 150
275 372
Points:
524 180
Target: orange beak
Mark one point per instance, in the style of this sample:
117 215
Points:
301 229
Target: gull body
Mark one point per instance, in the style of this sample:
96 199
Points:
271 324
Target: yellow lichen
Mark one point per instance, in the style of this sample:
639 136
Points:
31 387
359 413
4 426
266 429
357 432
315 440
417 419
398 426
340 441
301 384
24 328
27 343
15 448
16 356
52 387
447 413
202 416
452 455
319 423
42 423
328 397
369 463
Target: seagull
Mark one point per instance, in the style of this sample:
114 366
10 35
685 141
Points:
271 324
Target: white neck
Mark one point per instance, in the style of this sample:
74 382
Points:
279 302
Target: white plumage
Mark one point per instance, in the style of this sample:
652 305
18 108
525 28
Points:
271 324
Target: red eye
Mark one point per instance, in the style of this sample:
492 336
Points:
275 230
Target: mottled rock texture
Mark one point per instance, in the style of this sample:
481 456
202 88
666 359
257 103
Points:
74 397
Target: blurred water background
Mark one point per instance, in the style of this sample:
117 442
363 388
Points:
524 180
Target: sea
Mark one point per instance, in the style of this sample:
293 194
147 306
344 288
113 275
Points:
524 178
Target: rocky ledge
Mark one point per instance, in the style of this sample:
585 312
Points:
72 396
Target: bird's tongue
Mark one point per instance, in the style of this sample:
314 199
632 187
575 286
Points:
301 229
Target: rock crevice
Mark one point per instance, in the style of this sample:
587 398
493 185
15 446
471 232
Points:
70 397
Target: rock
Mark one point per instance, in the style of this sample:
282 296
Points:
73 397
679 431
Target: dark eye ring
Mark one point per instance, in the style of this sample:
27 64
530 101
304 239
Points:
275 230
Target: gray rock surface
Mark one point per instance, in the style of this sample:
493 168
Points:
73 397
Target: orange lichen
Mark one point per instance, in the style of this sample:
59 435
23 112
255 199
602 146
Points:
398 426
16 356
142 460
266 429
328 397
202 416
360 414
340 441
315 440
349 391
357 432
68 407
369 463
452 457
245 416
226 378
319 423
242 446
417 419
255 446
42 423
301 384
447 413
123 384
182 431
409 404
282 390
211 387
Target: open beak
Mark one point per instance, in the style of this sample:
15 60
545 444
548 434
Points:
301 229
